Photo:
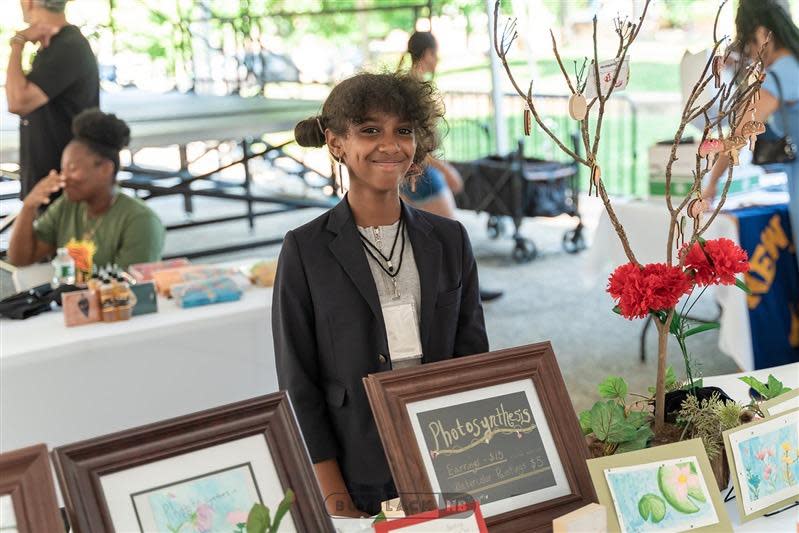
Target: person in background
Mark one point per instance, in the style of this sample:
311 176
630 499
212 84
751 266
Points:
754 21
435 189
369 286
91 214
62 82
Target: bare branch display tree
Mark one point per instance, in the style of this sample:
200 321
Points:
729 126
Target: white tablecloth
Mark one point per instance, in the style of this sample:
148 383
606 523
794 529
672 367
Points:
647 224
59 385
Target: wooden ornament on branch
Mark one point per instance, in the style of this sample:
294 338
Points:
710 147
527 121
578 107
751 130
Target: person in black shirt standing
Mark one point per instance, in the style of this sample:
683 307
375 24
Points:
63 81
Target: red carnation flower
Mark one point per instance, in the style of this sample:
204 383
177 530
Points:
654 287
665 285
728 260
715 262
696 262
620 278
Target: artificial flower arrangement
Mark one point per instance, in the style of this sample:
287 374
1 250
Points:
692 264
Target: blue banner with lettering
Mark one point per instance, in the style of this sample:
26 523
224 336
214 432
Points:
773 278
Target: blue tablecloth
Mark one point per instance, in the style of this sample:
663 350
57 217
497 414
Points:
765 234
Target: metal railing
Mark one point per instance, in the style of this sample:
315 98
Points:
469 134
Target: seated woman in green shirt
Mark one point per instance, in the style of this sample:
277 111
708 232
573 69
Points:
92 219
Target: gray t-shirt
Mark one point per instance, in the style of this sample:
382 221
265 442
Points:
408 288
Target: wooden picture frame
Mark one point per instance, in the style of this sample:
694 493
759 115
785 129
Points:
26 477
115 482
691 452
531 370
757 446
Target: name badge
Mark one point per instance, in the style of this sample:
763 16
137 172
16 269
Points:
402 329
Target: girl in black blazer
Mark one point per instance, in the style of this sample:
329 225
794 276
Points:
371 285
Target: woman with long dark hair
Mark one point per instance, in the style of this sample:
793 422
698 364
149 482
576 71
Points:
767 21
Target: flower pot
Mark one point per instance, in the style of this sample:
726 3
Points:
675 398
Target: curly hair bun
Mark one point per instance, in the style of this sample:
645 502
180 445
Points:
101 128
308 132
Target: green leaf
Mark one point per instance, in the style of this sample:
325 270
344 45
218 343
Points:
775 387
701 241
743 286
670 381
585 422
761 388
671 377
701 328
613 387
617 309
674 329
639 442
609 423
282 509
638 418
380 517
258 519
652 507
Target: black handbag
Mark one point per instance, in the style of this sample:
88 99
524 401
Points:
771 148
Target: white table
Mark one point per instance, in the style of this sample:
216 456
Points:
162 119
60 385
646 223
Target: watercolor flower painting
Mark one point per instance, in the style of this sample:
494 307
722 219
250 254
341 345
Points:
218 501
770 462
663 496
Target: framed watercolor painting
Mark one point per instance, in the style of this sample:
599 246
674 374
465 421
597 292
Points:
780 404
764 462
197 473
28 502
665 488
498 428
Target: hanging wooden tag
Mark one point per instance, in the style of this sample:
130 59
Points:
696 207
596 177
710 147
527 121
751 130
578 107
733 146
718 63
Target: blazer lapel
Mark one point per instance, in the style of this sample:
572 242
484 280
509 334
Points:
427 252
346 248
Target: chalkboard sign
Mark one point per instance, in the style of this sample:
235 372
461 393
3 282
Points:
489 448
493 448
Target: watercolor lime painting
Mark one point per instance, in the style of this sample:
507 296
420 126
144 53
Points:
661 496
